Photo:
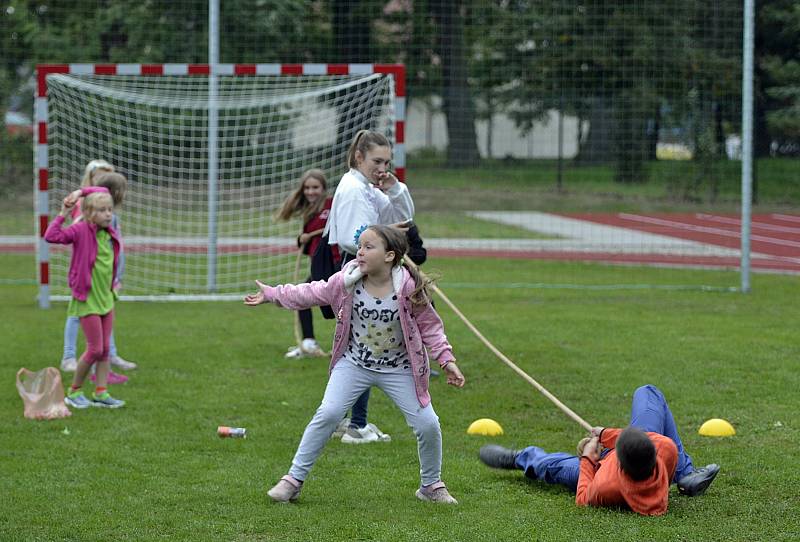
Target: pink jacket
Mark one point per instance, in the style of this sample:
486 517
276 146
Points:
421 326
83 237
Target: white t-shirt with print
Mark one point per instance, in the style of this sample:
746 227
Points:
376 337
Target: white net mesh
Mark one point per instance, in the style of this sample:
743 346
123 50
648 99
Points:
155 131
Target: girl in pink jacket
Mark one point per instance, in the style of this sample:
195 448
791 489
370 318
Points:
385 327
92 270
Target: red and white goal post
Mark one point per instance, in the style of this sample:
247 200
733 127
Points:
209 154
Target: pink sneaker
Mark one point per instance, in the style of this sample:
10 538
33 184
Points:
436 493
286 490
113 378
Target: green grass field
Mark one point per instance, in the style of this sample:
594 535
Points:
155 470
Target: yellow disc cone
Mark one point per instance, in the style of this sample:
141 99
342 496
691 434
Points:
485 426
715 427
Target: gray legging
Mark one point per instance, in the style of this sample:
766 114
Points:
346 383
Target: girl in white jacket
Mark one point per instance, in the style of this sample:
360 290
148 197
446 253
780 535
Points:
367 194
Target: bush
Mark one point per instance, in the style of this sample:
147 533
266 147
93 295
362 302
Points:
16 163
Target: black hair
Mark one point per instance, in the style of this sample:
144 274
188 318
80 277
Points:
636 453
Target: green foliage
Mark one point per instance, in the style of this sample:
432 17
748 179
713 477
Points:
778 62
627 70
15 164
155 470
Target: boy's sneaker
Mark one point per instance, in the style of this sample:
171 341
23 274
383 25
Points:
696 482
287 489
123 364
104 400
78 400
113 378
498 457
364 435
69 365
437 493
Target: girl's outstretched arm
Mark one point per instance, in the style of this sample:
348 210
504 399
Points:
296 296
256 298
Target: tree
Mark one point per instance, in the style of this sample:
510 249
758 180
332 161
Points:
462 150
777 106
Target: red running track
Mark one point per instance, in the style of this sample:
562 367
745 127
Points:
774 240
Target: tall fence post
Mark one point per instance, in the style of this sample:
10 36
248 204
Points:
213 125
747 140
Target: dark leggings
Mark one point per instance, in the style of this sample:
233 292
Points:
306 320
358 416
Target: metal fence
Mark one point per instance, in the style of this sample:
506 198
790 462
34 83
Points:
579 130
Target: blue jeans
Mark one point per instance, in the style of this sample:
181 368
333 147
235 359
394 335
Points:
649 412
71 328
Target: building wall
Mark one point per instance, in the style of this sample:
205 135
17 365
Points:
426 127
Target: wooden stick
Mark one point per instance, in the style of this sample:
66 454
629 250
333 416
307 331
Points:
564 408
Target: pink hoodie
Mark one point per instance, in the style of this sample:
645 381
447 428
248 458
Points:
83 237
422 327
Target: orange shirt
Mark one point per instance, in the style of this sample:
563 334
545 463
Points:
603 483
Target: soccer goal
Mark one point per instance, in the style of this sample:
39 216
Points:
209 155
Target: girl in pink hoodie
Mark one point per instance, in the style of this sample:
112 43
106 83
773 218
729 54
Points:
385 327
92 271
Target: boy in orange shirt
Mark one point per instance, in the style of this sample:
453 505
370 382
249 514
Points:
629 468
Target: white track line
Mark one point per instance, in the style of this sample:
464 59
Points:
705 229
787 218
583 236
755 224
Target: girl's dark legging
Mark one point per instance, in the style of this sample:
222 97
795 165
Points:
306 320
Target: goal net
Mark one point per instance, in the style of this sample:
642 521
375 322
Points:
208 162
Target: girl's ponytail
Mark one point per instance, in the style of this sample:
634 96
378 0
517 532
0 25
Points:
420 295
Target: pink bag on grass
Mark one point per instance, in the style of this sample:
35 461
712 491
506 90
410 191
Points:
42 393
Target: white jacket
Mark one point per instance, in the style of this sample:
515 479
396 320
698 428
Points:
358 204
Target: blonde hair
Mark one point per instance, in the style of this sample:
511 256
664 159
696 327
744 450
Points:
93 167
92 202
297 204
116 183
365 141
395 240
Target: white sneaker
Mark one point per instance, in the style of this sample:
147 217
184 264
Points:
311 347
307 348
341 429
123 364
295 352
364 435
69 365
